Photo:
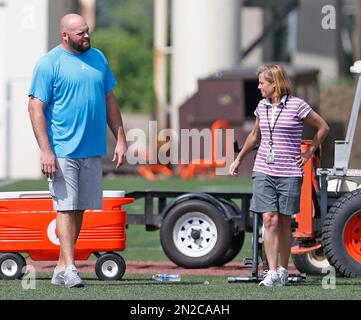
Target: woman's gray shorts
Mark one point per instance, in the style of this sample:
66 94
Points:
276 194
77 185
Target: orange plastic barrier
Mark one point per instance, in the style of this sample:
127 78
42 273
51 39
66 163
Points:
206 167
152 171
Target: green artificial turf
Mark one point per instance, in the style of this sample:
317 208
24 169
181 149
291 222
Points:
191 287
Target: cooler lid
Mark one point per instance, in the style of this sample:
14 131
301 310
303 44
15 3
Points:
113 194
46 194
25 194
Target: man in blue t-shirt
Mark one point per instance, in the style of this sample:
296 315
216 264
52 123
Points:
70 104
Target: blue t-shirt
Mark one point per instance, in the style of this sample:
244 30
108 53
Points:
74 89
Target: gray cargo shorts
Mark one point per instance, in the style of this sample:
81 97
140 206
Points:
276 194
77 185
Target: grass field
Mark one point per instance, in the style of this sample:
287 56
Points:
141 287
146 245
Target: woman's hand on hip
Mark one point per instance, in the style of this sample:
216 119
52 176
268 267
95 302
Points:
302 159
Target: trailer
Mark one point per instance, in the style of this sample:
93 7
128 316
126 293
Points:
197 229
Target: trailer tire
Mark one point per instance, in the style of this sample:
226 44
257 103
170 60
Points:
110 266
341 234
236 245
194 234
311 263
12 266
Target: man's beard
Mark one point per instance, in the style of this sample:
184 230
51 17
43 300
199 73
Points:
78 46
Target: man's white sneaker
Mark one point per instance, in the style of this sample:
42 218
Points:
72 278
271 279
58 276
283 275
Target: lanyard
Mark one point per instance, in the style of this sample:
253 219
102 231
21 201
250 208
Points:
274 124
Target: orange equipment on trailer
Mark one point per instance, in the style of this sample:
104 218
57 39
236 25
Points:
305 219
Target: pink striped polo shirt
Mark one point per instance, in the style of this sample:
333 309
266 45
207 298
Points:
287 135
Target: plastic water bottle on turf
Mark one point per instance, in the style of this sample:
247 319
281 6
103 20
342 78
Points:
166 277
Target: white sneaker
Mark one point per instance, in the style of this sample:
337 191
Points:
271 280
264 274
72 278
283 275
58 276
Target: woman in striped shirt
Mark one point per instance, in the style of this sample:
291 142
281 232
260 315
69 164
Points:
278 169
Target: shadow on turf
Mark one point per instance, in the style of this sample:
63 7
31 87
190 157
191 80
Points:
139 282
128 281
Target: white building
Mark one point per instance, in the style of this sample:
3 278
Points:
28 29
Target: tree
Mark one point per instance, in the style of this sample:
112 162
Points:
124 33
131 62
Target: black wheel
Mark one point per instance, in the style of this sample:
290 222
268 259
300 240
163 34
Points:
110 266
341 234
236 246
311 263
11 266
236 243
195 234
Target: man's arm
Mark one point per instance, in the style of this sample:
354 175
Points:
37 117
115 123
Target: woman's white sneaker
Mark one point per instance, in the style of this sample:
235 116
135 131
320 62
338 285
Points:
283 275
271 280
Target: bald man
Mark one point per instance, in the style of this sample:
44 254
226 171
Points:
70 104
